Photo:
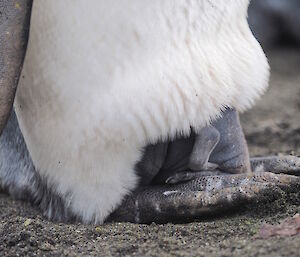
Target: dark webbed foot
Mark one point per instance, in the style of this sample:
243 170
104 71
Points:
199 197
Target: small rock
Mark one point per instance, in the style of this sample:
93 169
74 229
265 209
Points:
288 227
46 247
27 222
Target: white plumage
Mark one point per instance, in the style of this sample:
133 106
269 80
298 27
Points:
102 79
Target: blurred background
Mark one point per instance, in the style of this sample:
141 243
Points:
273 125
275 22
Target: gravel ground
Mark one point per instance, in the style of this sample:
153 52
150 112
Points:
271 127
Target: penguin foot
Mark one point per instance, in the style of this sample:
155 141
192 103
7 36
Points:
231 153
205 174
201 196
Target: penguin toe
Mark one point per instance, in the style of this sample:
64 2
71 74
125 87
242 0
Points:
276 164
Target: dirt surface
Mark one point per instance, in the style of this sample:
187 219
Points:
273 126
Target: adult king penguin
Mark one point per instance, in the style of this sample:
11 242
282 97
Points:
127 110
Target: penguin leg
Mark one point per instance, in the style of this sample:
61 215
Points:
149 166
218 149
205 142
200 197
189 154
231 155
